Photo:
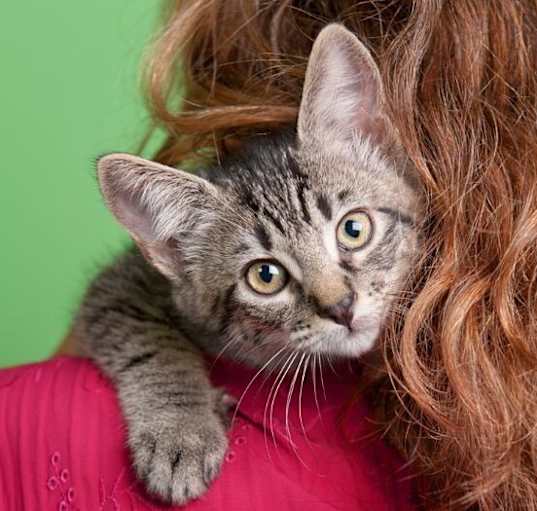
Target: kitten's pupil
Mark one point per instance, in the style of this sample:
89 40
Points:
266 278
266 272
353 228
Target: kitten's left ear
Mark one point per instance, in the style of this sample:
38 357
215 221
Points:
342 91
158 205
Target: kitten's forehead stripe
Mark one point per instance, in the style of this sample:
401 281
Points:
249 200
302 184
343 194
301 187
268 180
263 237
324 206
272 218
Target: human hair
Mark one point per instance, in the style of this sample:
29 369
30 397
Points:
455 386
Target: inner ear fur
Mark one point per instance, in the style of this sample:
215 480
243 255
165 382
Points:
155 204
343 94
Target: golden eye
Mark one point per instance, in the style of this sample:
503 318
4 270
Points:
266 277
354 230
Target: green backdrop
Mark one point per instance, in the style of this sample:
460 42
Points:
69 91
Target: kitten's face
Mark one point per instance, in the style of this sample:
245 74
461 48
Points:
303 241
308 252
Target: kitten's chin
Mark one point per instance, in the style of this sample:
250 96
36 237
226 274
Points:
350 344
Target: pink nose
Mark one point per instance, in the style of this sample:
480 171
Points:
342 312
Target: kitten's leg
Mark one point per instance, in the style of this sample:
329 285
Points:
175 418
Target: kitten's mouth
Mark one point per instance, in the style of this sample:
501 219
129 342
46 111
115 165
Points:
361 324
355 341
352 335
353 327
352 331
357 330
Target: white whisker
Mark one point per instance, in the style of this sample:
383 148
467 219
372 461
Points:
226 346
315 397
265 410
289 398
329 360
291 361
300 418
252 381
321 375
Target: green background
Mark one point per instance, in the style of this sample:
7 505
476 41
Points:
69 91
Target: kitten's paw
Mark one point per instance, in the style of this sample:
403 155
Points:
178 462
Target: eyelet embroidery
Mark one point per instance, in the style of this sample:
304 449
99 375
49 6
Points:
107 499
111 498
58 481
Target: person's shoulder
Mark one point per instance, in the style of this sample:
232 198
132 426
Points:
61 426
63 371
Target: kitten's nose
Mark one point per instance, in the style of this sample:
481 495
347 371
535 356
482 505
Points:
342 312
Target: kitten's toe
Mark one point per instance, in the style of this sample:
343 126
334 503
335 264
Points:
177 465
159 476
199 464
143 447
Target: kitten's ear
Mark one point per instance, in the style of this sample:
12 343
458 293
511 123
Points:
156 204
342 90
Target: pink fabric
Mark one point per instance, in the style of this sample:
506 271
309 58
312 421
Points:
62 447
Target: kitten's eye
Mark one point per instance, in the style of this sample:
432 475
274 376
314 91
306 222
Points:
354 230
266 277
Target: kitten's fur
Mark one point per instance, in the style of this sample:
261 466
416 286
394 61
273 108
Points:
147 325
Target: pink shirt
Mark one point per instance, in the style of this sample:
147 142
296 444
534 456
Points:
62 447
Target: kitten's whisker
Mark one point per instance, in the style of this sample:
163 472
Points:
314 371
329 360
234 339
289 397
267 341
291 361
252 381
300 417
270 373
265 410
321 375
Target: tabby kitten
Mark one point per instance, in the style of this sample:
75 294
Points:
299 244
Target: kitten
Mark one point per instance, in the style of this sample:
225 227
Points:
298 244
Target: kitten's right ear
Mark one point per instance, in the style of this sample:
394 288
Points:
343 93
156 204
